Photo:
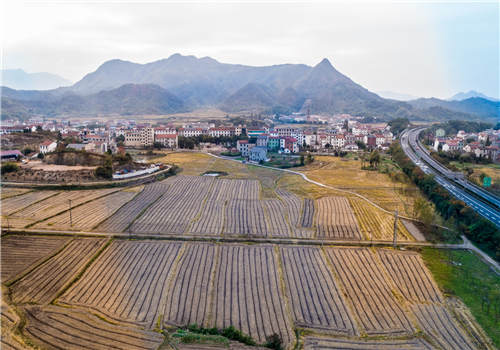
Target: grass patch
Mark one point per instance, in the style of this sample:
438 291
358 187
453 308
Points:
462 274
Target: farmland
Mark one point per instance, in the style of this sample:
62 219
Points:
127 282
89 215
247 293
20 253
378 310
42 284
316 298
375 224
335 219
59 328
346 298
56 204
190 250
201 205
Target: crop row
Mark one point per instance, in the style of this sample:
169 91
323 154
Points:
21 252
128 282
89 215
124 216
335 219
63 328
258 289
42 284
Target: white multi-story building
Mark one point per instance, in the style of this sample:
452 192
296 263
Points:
244 147
48 146
167 140
221 132
140 137
191 132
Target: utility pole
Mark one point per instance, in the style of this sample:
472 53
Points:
395 228
70 215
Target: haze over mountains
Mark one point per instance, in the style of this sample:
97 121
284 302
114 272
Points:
19 79
184 83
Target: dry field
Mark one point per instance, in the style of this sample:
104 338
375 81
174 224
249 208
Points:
411 277
347 174
245 217
335 219
127 282
20 253
375 305
124 216
188 299
89 215
316 343
441 327
42 284
344 298
247 293
173 212
316 299
54 205
61 328
14 204
7 192
377 224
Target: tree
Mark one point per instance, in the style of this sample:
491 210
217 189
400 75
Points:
310 158
374 159
302 159
120 138
488 141
27 151
9 167
40 155
105 171
423 211
158 145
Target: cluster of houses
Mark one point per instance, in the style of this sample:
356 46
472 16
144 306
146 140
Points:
485 144
92 136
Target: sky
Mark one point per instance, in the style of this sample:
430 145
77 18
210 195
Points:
420 48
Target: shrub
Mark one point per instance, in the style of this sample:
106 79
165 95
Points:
9 168
274 342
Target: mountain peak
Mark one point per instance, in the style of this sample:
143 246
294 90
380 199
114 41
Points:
325 63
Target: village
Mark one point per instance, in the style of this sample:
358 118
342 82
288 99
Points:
252 143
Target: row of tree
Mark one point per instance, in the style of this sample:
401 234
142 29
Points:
469 223
194 141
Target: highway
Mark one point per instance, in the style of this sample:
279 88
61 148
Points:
485 204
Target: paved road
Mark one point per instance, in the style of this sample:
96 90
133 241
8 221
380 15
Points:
446 178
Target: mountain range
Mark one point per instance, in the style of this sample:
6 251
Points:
184 83
470 94
19 79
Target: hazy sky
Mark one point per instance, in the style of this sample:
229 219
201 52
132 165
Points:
418 48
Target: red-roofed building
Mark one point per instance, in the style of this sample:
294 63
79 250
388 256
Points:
48 146
289 144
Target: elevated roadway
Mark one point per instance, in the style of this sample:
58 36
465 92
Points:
485 204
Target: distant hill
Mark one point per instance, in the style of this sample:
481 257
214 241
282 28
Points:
19 79
129 99
183 83
475 105
396 96
466 95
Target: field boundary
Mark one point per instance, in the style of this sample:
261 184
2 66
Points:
236 239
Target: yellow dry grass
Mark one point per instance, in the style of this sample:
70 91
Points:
376 224
347 174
